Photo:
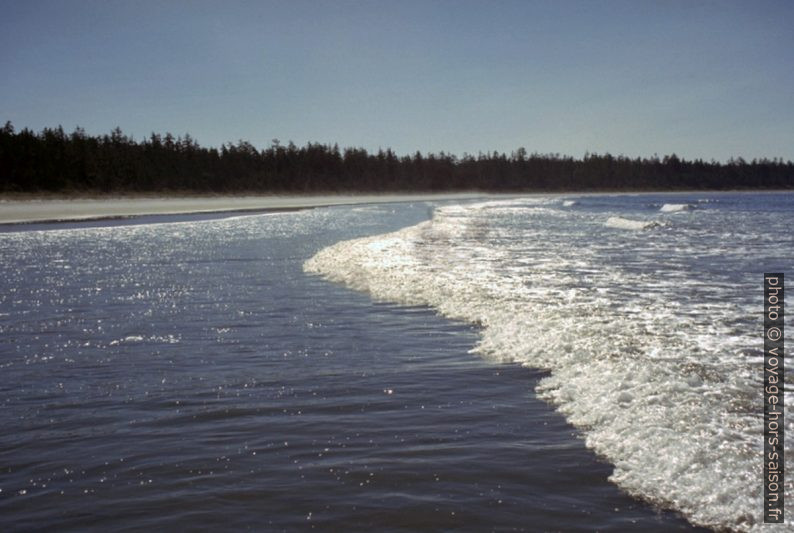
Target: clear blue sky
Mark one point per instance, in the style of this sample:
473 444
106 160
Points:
698 78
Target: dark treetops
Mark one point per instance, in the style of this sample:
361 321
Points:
54 161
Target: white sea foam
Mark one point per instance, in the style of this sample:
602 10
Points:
675 208
629 224
569 203
133 339
658 381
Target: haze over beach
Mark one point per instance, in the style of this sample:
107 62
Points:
416 266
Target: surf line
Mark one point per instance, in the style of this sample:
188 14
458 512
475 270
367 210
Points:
774 427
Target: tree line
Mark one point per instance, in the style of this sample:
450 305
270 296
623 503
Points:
54 161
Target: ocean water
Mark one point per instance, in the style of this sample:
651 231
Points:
646 310
533 364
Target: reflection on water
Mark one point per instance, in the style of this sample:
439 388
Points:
190 375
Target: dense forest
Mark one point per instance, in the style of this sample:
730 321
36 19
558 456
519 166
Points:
54 161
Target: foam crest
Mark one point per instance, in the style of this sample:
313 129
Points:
676 208
658 383
629 224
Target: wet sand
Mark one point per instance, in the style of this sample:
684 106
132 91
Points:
17 211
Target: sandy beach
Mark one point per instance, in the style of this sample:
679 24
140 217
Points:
18 211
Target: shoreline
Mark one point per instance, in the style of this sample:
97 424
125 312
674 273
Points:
54 210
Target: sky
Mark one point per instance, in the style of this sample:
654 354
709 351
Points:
700 79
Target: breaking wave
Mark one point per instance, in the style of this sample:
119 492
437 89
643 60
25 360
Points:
625 223
657 379
676 208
